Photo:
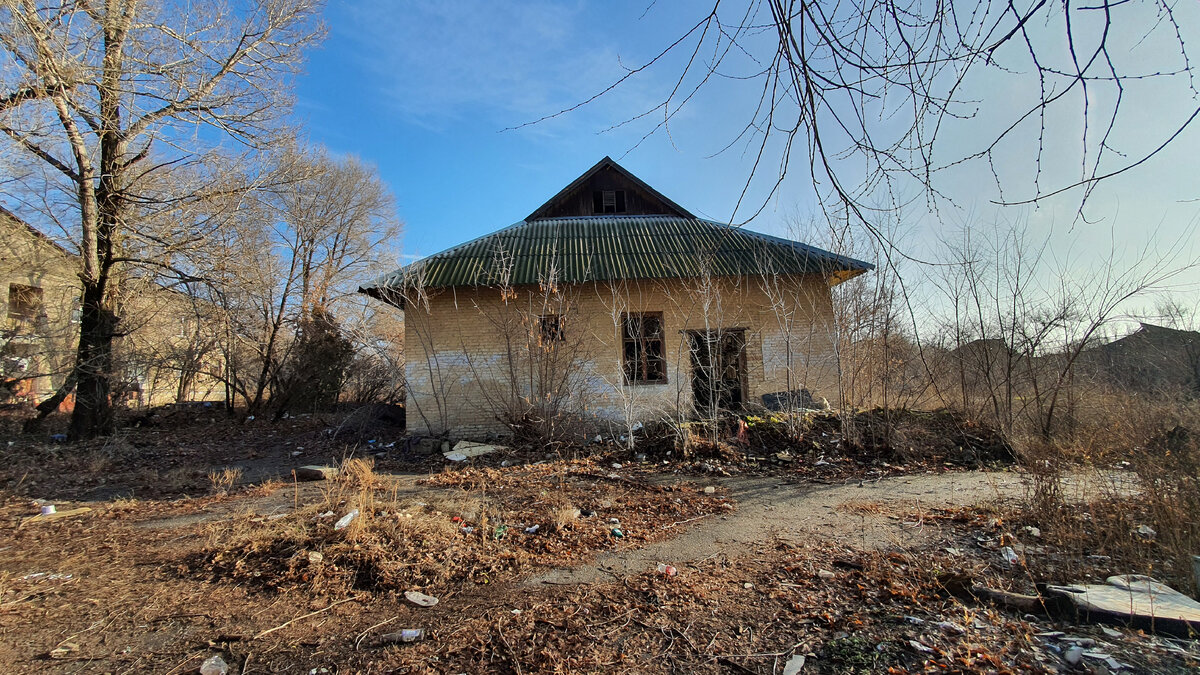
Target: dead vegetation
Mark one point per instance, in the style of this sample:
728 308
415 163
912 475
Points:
490 526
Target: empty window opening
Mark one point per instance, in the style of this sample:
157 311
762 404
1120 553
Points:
608 201
550 329
642 344
24 302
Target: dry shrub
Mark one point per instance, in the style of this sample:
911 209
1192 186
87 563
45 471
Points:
563 517
1118 472
225 479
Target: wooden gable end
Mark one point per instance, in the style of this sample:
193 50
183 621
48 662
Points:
607 189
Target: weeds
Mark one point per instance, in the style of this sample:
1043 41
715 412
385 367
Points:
223 481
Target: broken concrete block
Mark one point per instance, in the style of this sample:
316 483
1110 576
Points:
464 450
314 472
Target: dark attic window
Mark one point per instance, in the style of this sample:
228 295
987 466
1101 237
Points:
608 201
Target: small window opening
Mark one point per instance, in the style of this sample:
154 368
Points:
550 329
608 201
642 345
24 302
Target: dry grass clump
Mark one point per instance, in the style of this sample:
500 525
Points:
223 481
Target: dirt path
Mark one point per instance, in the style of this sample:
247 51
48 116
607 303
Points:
769 507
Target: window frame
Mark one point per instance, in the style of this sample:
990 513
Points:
636 371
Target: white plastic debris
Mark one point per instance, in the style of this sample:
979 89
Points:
346 520
420 599
214 665
532 529
794 665
709 490
1010 556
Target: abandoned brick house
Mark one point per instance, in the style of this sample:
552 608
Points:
40 300
611 305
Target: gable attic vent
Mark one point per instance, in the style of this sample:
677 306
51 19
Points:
608 201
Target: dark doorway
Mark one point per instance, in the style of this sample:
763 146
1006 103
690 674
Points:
718 370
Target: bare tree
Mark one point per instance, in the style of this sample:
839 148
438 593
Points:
108 95
861 94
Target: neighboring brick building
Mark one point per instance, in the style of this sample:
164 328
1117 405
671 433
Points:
39 290
163 354
612 305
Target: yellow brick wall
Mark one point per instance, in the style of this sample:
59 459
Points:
42 347
466 347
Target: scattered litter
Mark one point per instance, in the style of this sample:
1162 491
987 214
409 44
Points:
1073 655
405 635
214 665
346 519
467 529
709 490
532 529
616 532
794 665
666 569
315 557
420 599
614 520
296 453
747 585
55 515
48 509
1033 531
826 574
914 620
45 576
617 465
1146 532
64 650
952 627
327 514
1010 556
920 647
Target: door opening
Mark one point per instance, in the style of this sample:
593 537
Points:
718 370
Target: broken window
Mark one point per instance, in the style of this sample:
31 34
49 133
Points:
642 344
608 201
24 302
550 329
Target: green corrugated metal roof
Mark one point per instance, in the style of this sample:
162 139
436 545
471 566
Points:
601 248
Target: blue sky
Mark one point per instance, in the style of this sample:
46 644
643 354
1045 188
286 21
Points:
426 91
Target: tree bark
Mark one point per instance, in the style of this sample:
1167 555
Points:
93 414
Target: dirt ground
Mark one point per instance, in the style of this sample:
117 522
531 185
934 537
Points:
848 574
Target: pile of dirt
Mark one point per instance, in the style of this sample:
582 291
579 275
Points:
476 525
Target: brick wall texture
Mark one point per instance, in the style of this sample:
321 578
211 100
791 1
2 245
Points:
474 358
